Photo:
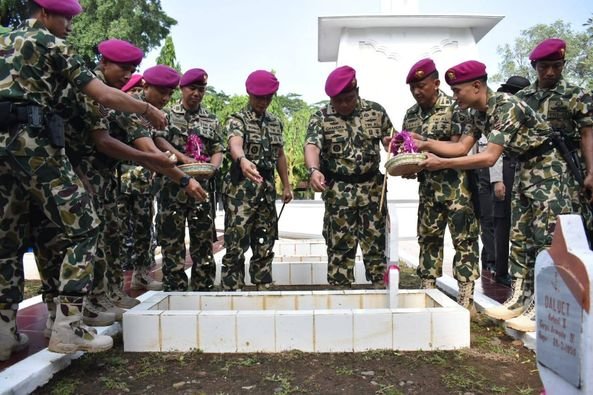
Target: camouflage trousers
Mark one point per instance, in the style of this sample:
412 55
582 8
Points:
343 229
34 192
108 273
542 190
248 225
433 217
136 213
175 208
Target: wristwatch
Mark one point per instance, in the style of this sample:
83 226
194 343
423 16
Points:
312 169
184 181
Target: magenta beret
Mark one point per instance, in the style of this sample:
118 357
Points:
467 71
67 8
133 82
194 77
120 51
342 79
550 49
261 83
161 75
420 70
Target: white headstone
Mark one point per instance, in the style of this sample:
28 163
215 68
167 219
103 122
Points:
563 291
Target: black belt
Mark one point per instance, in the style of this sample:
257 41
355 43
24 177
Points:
351 178
547 146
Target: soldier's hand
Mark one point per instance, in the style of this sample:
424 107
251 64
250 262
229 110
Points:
188 159
499 190
195 190
432 162
156 117
287 194
317 181
250 171
386 142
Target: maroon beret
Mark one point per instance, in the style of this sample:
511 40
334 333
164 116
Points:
467 71
121 51
261 83
342 79
550 49
161 75
67 8
133 82
194 77
420 70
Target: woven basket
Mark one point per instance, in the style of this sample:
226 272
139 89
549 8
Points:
404 164
201 171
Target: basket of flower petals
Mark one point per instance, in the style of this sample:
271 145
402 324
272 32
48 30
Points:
406 158
202 169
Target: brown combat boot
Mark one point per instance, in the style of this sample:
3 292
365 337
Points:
10 339
465 296
141 279
515 305
526 321
121 299
428 283
69 334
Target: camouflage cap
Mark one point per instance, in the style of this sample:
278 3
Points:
161 75
420 70
550 49
194 77
120 51
261 83
67 8
470 70
341 80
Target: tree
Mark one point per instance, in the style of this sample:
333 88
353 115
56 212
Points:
142 22
13 12
579 65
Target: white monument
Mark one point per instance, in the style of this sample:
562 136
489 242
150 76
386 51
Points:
563 291
382 48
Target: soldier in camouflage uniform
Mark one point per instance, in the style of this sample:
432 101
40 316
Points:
445 198
256 148
188 118
35 172
542 189
342 153
567 108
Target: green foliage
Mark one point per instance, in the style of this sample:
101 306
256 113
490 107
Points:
13 12
579 65
142 22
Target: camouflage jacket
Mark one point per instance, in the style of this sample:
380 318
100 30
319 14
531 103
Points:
443 121
36 67
509 122
566 107
350 145
183 123
262 142
134 179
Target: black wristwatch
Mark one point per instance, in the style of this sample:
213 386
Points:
184 181
312 170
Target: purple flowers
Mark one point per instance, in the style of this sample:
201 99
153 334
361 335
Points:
402 143
195 148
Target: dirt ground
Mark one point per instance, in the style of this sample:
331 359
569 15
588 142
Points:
495 364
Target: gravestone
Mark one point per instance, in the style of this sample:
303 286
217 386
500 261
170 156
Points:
563 290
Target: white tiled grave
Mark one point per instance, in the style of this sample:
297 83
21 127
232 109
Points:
310 321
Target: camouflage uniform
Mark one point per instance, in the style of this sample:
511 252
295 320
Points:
35 173
350 157
250 211
567 108
445 198
136 199
542 187
175 207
